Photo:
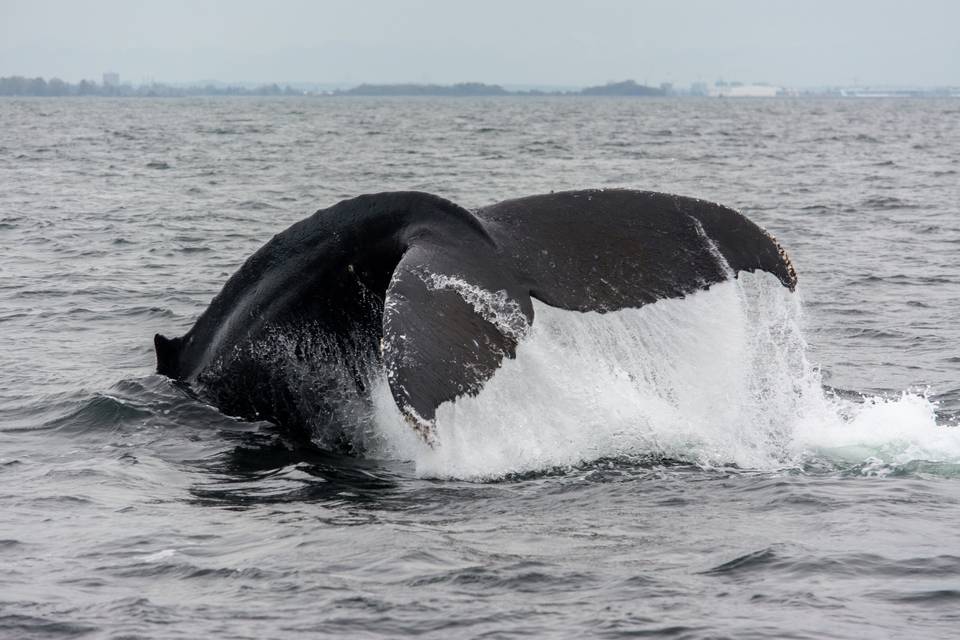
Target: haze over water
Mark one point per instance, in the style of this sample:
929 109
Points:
810 490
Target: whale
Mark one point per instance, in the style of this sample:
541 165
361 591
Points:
414 289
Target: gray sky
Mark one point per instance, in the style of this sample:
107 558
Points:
793 43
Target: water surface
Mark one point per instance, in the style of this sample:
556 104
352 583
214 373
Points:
828 509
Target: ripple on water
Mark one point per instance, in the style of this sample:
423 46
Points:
25 627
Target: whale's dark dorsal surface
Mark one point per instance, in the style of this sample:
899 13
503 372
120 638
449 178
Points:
435 296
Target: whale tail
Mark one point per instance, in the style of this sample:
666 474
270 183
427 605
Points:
437 296
168 355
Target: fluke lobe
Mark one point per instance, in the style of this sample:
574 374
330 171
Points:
415 287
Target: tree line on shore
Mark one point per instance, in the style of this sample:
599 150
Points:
22 86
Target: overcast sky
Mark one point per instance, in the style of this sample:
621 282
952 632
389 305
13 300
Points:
517 42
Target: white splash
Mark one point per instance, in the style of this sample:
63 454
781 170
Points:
496 307
720 377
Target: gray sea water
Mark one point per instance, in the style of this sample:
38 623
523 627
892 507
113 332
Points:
132 510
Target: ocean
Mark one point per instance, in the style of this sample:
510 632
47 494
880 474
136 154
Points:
743 463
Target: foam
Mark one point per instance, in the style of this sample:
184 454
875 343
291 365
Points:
493 306
720 377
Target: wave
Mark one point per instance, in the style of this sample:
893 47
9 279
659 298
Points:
718 378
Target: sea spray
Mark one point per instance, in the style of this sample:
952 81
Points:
720 377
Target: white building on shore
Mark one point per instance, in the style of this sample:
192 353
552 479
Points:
736 90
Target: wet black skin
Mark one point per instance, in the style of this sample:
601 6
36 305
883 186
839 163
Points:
349 291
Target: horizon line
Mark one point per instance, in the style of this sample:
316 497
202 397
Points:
515 86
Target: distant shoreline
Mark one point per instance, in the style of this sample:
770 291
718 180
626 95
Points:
19 86
38 87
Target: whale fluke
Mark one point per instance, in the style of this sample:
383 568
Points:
434 297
